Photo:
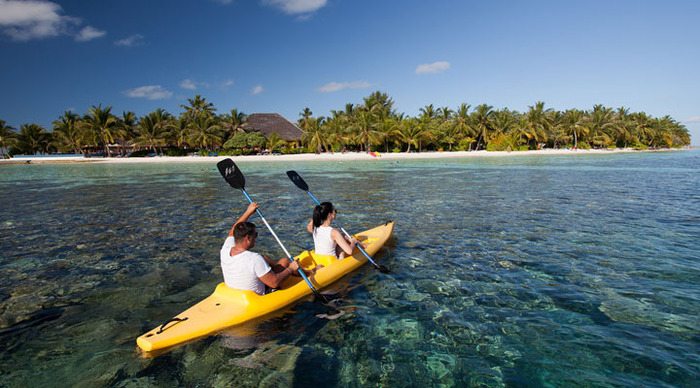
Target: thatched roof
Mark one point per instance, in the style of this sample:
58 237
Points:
269 123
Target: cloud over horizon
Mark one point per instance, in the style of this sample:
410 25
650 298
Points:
257 89
337 86
296 7
150 92
130 41
188 84
89 33
433 68
39 19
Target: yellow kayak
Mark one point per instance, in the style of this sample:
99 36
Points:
228 307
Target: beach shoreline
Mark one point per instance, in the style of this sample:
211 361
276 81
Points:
323 157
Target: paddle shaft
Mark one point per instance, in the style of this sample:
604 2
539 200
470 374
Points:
359 246
301 272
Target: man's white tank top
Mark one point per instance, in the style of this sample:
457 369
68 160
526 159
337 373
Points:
323 242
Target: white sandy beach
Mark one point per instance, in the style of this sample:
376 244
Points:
349 156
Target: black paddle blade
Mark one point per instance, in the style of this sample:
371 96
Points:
231 173
298 181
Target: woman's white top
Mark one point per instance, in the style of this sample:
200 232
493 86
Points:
323 242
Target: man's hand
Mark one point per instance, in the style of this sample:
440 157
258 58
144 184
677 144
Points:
294 266
252 207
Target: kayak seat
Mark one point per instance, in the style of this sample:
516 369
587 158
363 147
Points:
232 295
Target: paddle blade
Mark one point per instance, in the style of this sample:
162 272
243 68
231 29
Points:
231 173
298 181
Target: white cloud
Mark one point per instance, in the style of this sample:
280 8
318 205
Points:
89 33
151 92
257 89
337 86
431 68
33 19
130 41
693 119
297 7
188 84
227 83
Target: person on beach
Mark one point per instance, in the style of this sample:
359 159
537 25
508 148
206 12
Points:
246 270
328 240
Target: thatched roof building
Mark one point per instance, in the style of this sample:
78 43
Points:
269 123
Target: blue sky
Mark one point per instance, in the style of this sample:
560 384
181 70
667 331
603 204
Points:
284 55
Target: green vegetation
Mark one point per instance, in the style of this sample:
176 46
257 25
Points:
373 124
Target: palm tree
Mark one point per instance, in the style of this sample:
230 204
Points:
274 141
306 115
462 122
481 119
179 132
335 129
205 133
365 126
128 133
32 138
197 107
410 132
232 121
8 137
387 127
622 125
537 124
573 122
505 124
380 105
67 132
153 129
599 123
103 124
313 134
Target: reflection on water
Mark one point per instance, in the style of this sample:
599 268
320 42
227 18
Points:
505 271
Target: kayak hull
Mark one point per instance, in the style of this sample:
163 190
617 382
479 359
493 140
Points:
227 307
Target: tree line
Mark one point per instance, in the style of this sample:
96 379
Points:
372 124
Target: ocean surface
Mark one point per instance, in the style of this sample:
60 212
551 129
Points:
577 270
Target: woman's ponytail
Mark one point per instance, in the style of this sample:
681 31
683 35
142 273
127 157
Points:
321 213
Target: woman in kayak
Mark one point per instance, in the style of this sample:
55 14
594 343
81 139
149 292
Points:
328 240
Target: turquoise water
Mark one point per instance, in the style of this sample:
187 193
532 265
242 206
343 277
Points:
514 271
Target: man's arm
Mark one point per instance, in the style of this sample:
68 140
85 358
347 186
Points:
273 280
244 217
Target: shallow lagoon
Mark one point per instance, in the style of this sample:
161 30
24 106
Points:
548 270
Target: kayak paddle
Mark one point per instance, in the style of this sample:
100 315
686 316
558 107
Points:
299 182
235 178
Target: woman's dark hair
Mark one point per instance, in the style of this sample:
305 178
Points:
321 213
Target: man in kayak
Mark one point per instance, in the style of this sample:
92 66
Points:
246 270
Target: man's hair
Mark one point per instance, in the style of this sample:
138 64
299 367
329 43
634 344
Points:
242 230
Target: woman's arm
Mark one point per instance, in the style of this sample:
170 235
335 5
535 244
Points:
310 226
343 243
